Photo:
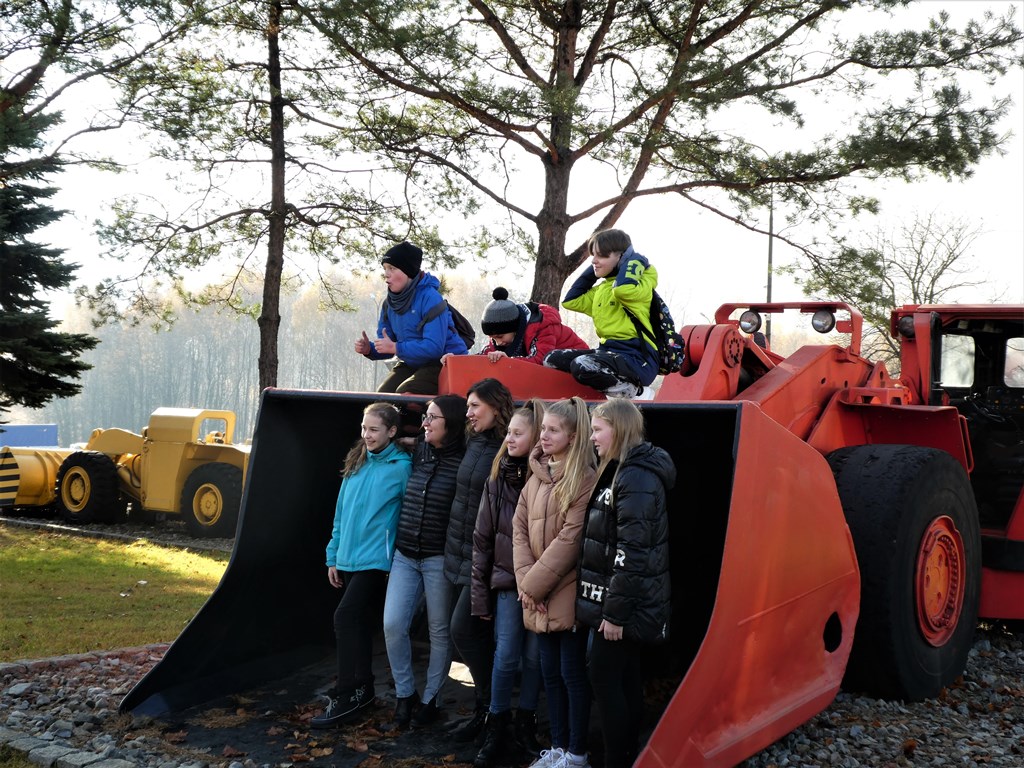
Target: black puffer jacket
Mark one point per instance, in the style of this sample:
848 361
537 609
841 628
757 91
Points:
624 562
427 504
493 566
476 466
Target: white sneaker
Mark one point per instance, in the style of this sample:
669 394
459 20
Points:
549 758
645 394
622 389
569 760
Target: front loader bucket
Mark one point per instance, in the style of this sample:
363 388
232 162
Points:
271 613
765 585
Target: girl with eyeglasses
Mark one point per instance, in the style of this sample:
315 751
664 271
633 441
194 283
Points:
418 567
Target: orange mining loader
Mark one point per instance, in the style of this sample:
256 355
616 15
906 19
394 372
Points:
831 524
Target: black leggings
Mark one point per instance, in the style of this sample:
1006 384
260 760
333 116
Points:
474 639
358 617
616 677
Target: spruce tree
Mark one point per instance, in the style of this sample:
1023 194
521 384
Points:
37 362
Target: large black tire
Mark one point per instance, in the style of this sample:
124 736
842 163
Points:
914 523
87 489
210 500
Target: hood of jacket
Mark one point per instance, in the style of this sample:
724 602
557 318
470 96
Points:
655 459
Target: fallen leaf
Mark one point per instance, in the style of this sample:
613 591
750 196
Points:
176 737
230 751
358 746
275 730
322 752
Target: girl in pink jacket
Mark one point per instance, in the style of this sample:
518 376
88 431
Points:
545 551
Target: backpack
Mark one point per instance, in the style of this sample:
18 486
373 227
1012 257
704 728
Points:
667 340
462 326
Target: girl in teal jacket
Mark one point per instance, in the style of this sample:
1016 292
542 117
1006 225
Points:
359 555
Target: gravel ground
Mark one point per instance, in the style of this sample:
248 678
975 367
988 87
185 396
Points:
69 705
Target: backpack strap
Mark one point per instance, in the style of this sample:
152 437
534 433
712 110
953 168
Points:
640 330
430 314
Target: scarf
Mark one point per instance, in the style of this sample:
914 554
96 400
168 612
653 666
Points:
401 301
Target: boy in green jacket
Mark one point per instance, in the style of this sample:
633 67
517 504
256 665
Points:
624 364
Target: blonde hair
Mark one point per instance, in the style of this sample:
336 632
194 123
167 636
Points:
390 416
627 425
580 457
533 411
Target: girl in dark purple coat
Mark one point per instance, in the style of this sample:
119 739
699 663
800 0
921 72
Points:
495 596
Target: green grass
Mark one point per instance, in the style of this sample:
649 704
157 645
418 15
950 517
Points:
65 594
12 758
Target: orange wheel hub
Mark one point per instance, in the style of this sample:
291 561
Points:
939 580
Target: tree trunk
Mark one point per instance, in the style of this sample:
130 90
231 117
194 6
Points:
553 265
270 314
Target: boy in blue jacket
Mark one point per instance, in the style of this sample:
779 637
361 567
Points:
616 287
403 330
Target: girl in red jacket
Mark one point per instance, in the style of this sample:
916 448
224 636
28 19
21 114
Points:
527 331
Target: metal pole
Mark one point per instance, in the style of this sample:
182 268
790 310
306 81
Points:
771 238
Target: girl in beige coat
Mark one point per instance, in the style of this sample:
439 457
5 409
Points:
545 548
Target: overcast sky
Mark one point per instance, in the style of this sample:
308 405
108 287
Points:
703 260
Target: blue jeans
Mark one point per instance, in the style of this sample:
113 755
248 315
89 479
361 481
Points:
410 579
513 644
563 663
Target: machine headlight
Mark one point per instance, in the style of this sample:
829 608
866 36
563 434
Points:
750 321
905 325
823 321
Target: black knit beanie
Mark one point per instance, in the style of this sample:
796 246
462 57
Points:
405 256
501 315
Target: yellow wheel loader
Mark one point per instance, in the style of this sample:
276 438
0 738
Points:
184 463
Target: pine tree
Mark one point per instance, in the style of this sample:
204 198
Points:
37 362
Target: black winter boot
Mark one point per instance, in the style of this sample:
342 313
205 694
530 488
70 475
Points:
526 731
469 729
403 710
426 714
495 739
